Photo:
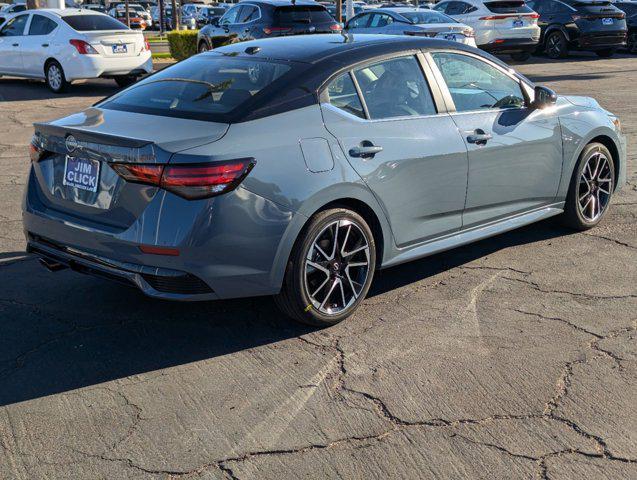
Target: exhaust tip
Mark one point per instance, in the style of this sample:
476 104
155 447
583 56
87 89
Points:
52 265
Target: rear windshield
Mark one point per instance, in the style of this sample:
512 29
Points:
510 6
588 3
302 14
629 9
201 88
89 23
421 18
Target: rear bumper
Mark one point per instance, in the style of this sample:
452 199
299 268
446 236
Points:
95 66
598 41
229 246
510 45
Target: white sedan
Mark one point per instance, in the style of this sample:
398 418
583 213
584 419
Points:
60 46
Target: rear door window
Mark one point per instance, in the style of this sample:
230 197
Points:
91 23
380 20
41 25
359 22
249 13
304 14
509 6
231 16
395 88
201 88
343 95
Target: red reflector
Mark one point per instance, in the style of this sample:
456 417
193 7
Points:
269 30
154 250
499 41
35 153
336 27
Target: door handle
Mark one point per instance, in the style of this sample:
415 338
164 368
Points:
45 45
365 150
16 44
479 137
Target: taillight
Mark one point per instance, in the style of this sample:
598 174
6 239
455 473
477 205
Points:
35 152
269 30
336 27
188 181
146 46
82 47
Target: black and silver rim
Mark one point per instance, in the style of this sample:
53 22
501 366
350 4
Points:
54 76
336 267
595 187
203 48
554 45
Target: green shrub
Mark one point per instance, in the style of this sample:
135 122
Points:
182 43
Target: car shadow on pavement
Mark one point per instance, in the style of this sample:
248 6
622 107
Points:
63 331
17 90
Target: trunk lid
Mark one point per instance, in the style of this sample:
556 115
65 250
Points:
120 43
94 139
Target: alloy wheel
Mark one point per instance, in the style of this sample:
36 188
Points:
595 187
54 76
336 267
554 46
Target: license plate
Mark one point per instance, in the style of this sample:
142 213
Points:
451 37
518 23
120 49
607 21
81 173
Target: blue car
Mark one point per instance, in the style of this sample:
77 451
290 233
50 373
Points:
297 167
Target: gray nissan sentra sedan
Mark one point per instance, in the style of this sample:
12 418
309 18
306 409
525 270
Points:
297 166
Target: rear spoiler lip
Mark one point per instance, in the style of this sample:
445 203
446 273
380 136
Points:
89 136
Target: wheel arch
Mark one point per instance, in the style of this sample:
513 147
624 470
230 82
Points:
553 28
614 152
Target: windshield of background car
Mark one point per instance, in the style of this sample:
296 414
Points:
302 14
90 23
201 88
511 6
421 18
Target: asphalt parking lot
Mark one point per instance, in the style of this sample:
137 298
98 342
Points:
515 357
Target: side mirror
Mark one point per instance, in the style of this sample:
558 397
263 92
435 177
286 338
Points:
544 97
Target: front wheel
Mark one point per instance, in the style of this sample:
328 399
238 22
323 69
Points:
556 45
203 47
330 269
606 53
521 56
591 188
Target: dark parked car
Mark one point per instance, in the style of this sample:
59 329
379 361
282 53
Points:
267 18
630 9
592 25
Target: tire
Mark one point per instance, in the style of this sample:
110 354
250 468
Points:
55 78
521 56
556 45
606 53
124 81
631 45
311 291
590 179
203 47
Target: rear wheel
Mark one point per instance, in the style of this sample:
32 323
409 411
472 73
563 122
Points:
556 45
606 53
631 45
591 188
203 47
125 80
55 79
330 269
521 56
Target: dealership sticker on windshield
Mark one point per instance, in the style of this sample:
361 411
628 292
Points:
81 173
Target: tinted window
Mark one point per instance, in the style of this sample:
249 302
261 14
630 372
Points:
41 25
14 27
230 16
395 88
457 8
89 23
200 88
302 14
630 9
509 6
343 95
380 20
359 22
249 13
477 85
442 7
422 18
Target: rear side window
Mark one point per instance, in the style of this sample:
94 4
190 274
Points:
305 14
423 18
201 88
343 95
41 25
90 23
508 7
395 88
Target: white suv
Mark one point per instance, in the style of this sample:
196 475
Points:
60 46
501 26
